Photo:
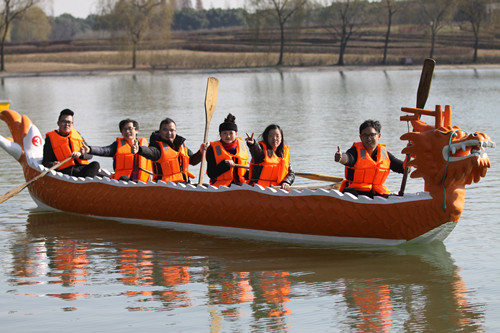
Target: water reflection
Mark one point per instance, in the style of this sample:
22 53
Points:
261 284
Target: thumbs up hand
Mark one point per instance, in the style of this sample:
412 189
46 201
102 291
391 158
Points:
338 154
135 147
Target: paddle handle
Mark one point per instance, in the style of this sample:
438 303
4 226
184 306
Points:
242 166
312 176
317 176
146 171
21 187
203 153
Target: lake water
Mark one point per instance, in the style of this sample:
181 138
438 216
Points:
61 273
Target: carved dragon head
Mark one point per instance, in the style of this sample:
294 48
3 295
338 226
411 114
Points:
26 141
445 156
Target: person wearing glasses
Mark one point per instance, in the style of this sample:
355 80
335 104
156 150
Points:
65 142
368 163
169 153
127 166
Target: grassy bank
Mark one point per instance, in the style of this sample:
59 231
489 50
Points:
242 48
185 59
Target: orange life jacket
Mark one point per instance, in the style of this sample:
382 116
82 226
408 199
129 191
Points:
172 164
64 146
274 168
126 163
241 157
369 175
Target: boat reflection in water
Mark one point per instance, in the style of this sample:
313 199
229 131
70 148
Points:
261 284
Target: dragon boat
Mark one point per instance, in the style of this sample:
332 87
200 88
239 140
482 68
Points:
446 157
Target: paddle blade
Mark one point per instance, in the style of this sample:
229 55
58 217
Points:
211 97
424 85
13 192
21 187
210 102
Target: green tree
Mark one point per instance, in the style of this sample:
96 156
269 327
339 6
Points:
12 10
34 25
284 10
189 19
66 26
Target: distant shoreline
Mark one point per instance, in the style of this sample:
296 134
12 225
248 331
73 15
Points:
55 69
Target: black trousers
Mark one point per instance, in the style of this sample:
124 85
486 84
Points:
87 170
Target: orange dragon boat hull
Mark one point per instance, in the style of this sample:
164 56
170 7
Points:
318 216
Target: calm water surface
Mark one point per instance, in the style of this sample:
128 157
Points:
59 272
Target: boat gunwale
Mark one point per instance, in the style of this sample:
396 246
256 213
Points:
35 163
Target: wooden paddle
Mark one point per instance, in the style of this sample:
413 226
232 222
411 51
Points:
210 102
424 87
18 189
311 187
312 176
317 176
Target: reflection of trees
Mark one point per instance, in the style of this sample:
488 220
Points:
382 290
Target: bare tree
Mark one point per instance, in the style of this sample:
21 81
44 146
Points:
284 10
476 13
11 11
343 19
135 18
436 11
392 6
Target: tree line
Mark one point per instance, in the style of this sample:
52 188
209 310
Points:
149 23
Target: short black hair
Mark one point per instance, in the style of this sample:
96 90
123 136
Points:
167 121
65 112
370 123
126 121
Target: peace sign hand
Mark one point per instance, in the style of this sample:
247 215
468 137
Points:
249 139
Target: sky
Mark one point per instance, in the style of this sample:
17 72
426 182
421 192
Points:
82 8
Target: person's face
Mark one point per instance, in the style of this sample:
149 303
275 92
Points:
369 137
228 136
168 132
274 138
65 124
129 132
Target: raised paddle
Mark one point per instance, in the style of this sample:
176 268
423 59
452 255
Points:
424 87
312 176
18 189
210 102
